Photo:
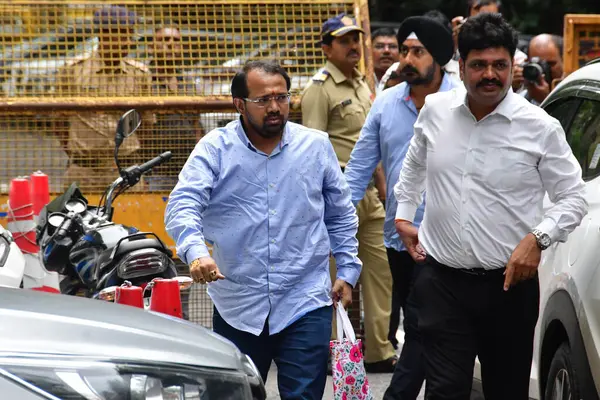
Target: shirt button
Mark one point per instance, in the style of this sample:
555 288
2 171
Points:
272 240
271 185
273 212
464 201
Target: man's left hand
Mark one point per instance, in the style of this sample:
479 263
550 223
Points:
523 263
538 90
341 290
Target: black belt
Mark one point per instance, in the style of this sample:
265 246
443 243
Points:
481 272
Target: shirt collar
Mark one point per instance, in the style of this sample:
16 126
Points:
337 75
445 86
505 108
99 65
285 139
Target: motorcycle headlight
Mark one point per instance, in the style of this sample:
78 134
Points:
142 263
95 380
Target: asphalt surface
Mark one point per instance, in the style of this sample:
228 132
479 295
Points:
377 382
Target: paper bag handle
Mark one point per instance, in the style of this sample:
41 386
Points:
343 324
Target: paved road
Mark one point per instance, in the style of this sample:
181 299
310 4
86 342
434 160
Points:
377 382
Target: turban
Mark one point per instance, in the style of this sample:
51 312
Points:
436 38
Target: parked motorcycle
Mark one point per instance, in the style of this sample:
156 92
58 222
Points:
84 244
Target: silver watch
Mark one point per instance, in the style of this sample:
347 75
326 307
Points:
543 240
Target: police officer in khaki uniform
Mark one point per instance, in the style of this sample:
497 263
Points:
88 136
337 101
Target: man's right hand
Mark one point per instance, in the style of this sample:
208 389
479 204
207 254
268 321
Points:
518 79
410 237
205 270
456 24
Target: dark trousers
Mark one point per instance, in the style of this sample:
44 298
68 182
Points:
409 373
402 266
462 316
300 352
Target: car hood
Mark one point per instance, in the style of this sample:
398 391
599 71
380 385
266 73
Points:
54 324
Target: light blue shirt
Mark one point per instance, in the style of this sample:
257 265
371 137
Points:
385 137
272 221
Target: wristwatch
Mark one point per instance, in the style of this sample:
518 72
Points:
542 239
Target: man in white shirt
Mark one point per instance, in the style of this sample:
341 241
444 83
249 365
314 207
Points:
486 157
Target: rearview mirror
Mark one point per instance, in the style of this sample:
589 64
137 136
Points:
128 123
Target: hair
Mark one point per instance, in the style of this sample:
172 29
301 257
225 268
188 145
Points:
239 84
484 31
481 3
327 39
440 17
558 42
383 32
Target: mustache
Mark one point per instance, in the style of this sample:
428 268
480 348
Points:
353 53
408 69
484 82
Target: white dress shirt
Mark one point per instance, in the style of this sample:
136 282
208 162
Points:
486 180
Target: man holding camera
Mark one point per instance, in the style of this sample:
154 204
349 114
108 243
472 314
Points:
544 65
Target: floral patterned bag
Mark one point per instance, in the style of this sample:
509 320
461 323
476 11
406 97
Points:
349 376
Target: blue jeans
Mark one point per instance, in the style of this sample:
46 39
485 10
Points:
300 352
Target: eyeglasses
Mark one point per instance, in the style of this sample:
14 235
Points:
262 102
382 46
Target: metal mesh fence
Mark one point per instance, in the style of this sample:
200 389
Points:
154 48
70 68
92 61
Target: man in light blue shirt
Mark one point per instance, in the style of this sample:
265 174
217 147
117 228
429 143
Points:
270 197
426 45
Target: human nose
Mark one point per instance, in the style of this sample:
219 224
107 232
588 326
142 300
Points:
408 58
488 72
272 104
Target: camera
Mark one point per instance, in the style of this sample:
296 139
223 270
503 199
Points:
533 69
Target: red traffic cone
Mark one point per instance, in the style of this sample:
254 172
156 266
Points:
40 192
20 216
166 297
129 295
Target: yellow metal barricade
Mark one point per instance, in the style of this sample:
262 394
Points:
69 68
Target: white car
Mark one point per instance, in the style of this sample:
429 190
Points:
567 342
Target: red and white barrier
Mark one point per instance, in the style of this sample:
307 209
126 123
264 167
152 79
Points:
166 297
40 193
25 200
20 216
129 295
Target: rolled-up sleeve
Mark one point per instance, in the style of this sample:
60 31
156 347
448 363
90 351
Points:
561 176
189 199
340 219
365 155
